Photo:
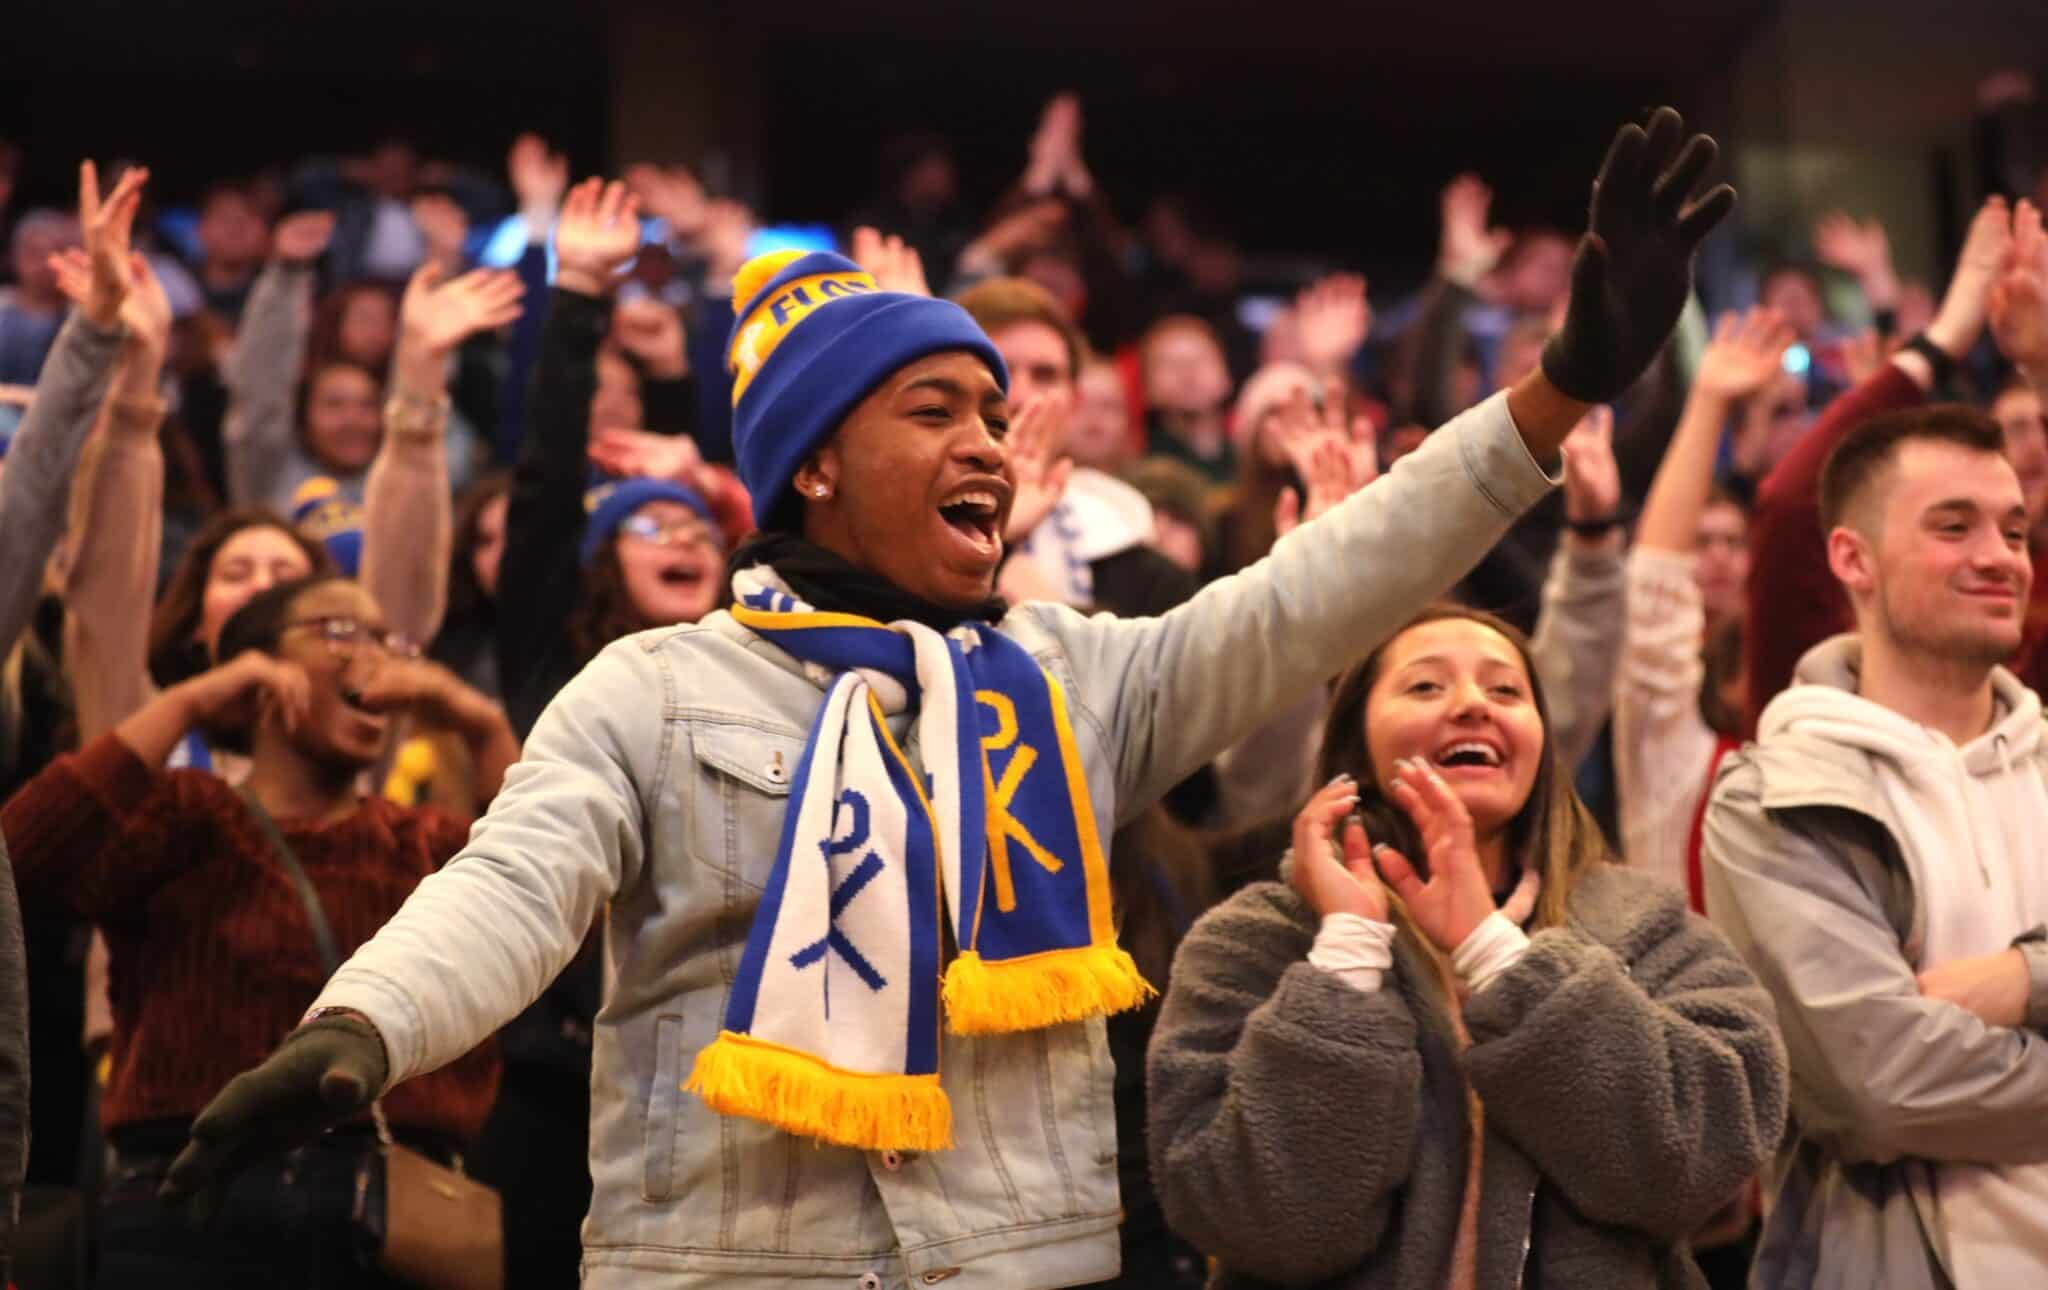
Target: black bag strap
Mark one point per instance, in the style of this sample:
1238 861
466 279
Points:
309 896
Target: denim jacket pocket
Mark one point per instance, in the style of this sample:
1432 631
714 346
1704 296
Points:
742 783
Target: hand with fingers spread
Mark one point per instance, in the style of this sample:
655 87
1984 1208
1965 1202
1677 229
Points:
597 234
673 195
1959 319
107 227
326 1073
1467 249
1326 467
1034 447
1861 250
2019 301
438 315
1456 897
652 333
1332 867
1592 478
1633 269
893 264
302 237
1333 318
1744 354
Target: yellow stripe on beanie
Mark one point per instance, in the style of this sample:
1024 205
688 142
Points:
774 314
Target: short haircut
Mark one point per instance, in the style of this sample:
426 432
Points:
1864 453
999 303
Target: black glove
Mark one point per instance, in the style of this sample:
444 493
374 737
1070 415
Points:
325 1073
1633 270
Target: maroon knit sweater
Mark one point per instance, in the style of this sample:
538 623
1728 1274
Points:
212 960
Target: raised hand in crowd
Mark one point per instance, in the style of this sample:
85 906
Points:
1331 460
1456 897
1035 446
1332 319
1632 272
1592 478
1467 250
1333 868
302 237
108 227
438 313
1743 356
673 195
597 234
1861 250
646 455
1029 228
1959 319
445 227
891 262
652 333
2019 300
1056 163
539 176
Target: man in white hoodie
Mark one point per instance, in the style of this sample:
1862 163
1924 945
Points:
1877 856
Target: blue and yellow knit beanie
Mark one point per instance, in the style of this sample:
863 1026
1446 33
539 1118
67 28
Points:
812 336
322 512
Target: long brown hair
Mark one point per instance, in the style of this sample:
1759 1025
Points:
1553 832
605 611
174 652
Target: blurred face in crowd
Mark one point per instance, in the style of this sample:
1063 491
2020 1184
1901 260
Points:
1721 558
615 404
336 633
2018 414
1934 553
255 559
1038 359
1538 271
489 550
1100 433
929 183
342 426
36 239
392 170
1796 296
916 485
1456 694
232 233
369 325
1185 371
1061 278
670 561
1177 540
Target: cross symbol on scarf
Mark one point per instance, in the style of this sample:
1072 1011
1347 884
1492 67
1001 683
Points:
1003 826
834 941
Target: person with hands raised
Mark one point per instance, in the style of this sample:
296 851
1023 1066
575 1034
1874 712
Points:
672 787
212 954
1455 1043
1678 707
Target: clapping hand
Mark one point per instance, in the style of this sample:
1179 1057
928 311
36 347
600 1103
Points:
890 261
1861 250
1334 882
438 314
300 238
1456 897
2019 301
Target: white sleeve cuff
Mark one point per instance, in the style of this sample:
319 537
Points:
1488 951
1356 949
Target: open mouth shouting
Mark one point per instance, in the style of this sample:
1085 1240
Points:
1469 758
974 512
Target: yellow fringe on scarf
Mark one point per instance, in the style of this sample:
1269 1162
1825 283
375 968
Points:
740 1075
985 998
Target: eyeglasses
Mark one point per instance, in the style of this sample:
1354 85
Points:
345 636
679 531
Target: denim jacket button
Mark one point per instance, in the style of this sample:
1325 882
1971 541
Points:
892 1160
774 770
869 1281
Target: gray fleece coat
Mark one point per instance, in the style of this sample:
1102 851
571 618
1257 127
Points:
1308 1133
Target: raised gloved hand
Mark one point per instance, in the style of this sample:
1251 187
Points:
325 1073
1633 270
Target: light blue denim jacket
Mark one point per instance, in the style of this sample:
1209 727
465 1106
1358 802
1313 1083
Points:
655 784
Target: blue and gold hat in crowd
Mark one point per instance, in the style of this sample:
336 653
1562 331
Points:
609 503
812 336
323 513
